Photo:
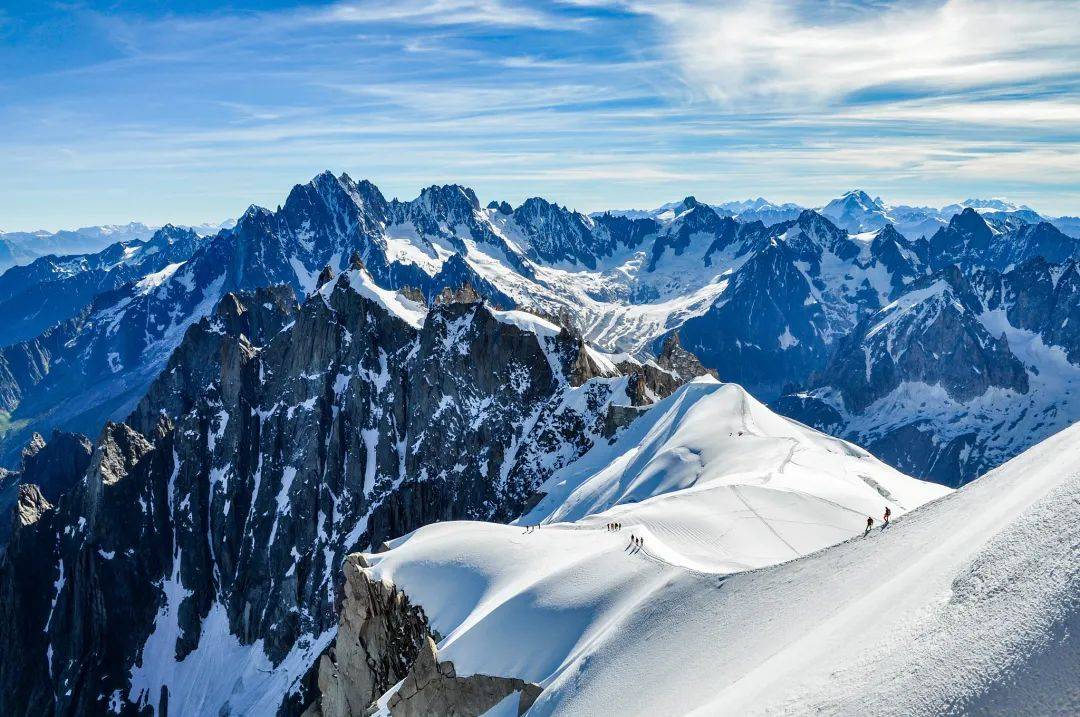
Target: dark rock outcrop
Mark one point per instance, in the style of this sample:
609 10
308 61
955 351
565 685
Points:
51 469
383 639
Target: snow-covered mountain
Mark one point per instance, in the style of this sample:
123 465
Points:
761 210
17 248
966 605
766 306
958 374
748 210
52 289
858 213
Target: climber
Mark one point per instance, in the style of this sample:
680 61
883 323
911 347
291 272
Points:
869 525
888 512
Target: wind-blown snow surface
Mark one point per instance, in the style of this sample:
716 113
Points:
968 605
557 604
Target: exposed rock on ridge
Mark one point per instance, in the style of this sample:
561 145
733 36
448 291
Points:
382 640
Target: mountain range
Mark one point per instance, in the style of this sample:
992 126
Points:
17 248
858 212
332 376
794 311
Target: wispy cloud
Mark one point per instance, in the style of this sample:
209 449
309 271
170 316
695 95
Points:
190 115
498 13
781 52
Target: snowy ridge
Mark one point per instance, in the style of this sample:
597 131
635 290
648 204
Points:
967 603
707 500
395 304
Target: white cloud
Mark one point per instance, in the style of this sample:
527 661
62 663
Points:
440 12
778 52
1051 112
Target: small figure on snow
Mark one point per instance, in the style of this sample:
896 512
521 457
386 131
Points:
869 525
888 512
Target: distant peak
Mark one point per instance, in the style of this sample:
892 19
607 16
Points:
967 219
449 195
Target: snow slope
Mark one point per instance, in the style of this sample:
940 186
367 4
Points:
563 605
718 482
963 606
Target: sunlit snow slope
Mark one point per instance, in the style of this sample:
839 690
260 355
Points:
716 481
608 630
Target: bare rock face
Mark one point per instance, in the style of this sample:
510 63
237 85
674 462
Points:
434 688
30 506
382 640
680 362
464 294
55 466
379 637
652 381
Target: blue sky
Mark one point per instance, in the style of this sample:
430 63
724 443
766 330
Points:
187 112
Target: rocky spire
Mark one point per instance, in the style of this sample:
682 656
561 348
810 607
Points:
325 276
355 262
685 365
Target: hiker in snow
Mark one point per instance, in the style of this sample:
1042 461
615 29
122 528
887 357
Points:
869 525
888 512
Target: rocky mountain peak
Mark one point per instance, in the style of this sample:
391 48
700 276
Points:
683 364
555 233
888 233
367 197
170 234
969 221
119 448
32 448
256 220
55 465
52 468
452 203
325 276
